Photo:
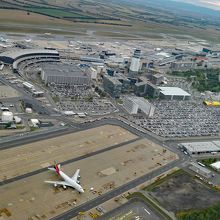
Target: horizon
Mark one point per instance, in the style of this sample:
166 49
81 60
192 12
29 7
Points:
212 4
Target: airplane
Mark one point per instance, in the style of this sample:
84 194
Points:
68 181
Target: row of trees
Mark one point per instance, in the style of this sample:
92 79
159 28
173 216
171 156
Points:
203 80
211 213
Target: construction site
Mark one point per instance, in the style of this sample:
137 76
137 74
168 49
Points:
118 157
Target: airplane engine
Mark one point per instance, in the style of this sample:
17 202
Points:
55 185
79 176
64 186
78 181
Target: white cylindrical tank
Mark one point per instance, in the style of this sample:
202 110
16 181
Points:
17 119
7 116
28 110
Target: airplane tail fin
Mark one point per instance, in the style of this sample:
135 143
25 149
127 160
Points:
57 167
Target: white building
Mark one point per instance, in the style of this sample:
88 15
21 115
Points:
134 67
132 104
28 110
7 116
17 119
28 86
94 73
173 93
216 165
35 123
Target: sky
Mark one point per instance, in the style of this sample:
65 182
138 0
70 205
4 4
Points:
214 4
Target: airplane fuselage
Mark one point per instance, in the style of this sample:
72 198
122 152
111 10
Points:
70 181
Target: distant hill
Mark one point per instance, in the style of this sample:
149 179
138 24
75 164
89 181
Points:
177 6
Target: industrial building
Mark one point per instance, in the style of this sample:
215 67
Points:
64 74
216 166
182 66
200 170
7 116
133 104
195 148
173 93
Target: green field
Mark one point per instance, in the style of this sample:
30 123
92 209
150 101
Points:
203 80
57 13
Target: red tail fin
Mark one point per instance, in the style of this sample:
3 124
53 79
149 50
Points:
57 167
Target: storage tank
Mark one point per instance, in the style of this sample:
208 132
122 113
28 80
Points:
7 116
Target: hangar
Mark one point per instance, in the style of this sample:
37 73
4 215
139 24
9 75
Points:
173 93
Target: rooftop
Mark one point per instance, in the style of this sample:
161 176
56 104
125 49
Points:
63 69
216 165
201 146
173 91
19 52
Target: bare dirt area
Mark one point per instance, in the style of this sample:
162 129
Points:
26 158
182 192
7 92
31 197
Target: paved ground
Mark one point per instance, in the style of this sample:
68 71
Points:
182 192
26 158
7 92
30 196
132 210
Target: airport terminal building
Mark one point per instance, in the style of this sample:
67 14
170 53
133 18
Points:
15 57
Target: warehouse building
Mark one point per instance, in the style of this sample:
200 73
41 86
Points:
200 170
196 148
173 93
64 74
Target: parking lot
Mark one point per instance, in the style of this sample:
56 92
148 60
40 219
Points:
181 119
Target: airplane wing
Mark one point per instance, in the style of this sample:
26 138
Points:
51 168
76 175
63 183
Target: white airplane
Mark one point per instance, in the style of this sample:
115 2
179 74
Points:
71 182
